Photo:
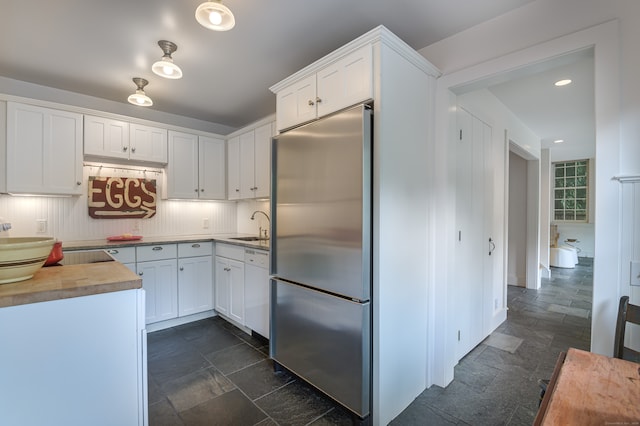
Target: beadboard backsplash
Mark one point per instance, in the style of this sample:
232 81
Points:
67 218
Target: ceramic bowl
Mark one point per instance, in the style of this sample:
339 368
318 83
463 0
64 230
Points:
21 257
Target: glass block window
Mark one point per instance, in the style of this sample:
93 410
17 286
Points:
571 191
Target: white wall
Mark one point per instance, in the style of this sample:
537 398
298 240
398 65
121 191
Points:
536 32
517 252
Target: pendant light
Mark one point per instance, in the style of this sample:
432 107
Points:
165 66
215 16
139 98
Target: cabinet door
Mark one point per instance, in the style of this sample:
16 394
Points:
257 299
182 170
148 143
296 104
346 82
159 281
44 150
222 285
247 167
211 169
262 160
233 165
104 137
195 285
236 291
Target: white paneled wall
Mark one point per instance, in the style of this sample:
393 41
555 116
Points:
68 218
630 249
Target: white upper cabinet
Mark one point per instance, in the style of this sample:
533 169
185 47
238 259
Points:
249 161
147 143
196 167
233 168
345 82
106 138
44 150
116 139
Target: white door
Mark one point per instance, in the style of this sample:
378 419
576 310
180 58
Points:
182 172
148 143
247 165
160 284
262 160
233 168
236 291
212 170
195 285
105 137
474 222
222 285
297 103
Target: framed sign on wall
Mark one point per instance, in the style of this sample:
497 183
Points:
122 197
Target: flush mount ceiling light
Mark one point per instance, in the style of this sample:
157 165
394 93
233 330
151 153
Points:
139 98
564 82
215 16
165 66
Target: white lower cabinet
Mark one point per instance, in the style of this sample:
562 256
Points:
256 286
156 265
195 278
124 255
230 282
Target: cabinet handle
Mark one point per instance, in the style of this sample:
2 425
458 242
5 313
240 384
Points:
311 103
124 148
318 100
113 251
140 273
156 248
237 190
133 149
201 190
182 268
196 245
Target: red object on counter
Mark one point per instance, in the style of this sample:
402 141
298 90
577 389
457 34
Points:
56 254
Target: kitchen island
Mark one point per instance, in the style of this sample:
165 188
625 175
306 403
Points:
74 347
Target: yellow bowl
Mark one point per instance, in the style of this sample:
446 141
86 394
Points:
21 257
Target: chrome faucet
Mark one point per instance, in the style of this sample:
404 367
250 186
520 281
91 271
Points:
253 217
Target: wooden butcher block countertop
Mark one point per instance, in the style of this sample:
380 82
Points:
63 282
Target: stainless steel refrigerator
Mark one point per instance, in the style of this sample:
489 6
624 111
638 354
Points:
321 255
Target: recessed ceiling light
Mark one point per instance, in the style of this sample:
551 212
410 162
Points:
563 82
558 141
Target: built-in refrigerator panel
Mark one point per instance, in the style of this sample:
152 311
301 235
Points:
321 204
325 340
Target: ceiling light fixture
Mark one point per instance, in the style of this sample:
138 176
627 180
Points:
215 16
558 141
165 66
139 98
563 82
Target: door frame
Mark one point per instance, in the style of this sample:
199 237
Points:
604 39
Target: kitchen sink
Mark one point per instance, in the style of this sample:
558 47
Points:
249 239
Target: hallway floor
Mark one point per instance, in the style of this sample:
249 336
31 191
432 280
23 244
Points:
211 373
497 382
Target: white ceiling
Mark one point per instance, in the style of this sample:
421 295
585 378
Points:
551 112
96 47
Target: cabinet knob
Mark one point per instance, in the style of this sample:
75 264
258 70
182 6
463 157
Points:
318 100
201 190
140 273
237 190
311 103
133 149
124 148
182 268
195 190
78 183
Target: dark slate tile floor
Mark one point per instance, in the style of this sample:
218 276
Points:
211 373
494 386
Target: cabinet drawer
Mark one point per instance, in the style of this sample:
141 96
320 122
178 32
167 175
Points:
230 251
123 254
201 248
156 252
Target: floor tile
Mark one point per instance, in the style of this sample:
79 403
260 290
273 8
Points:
235 358
503 342
294 404
260 379
576 312
231 408
197 387
163 414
